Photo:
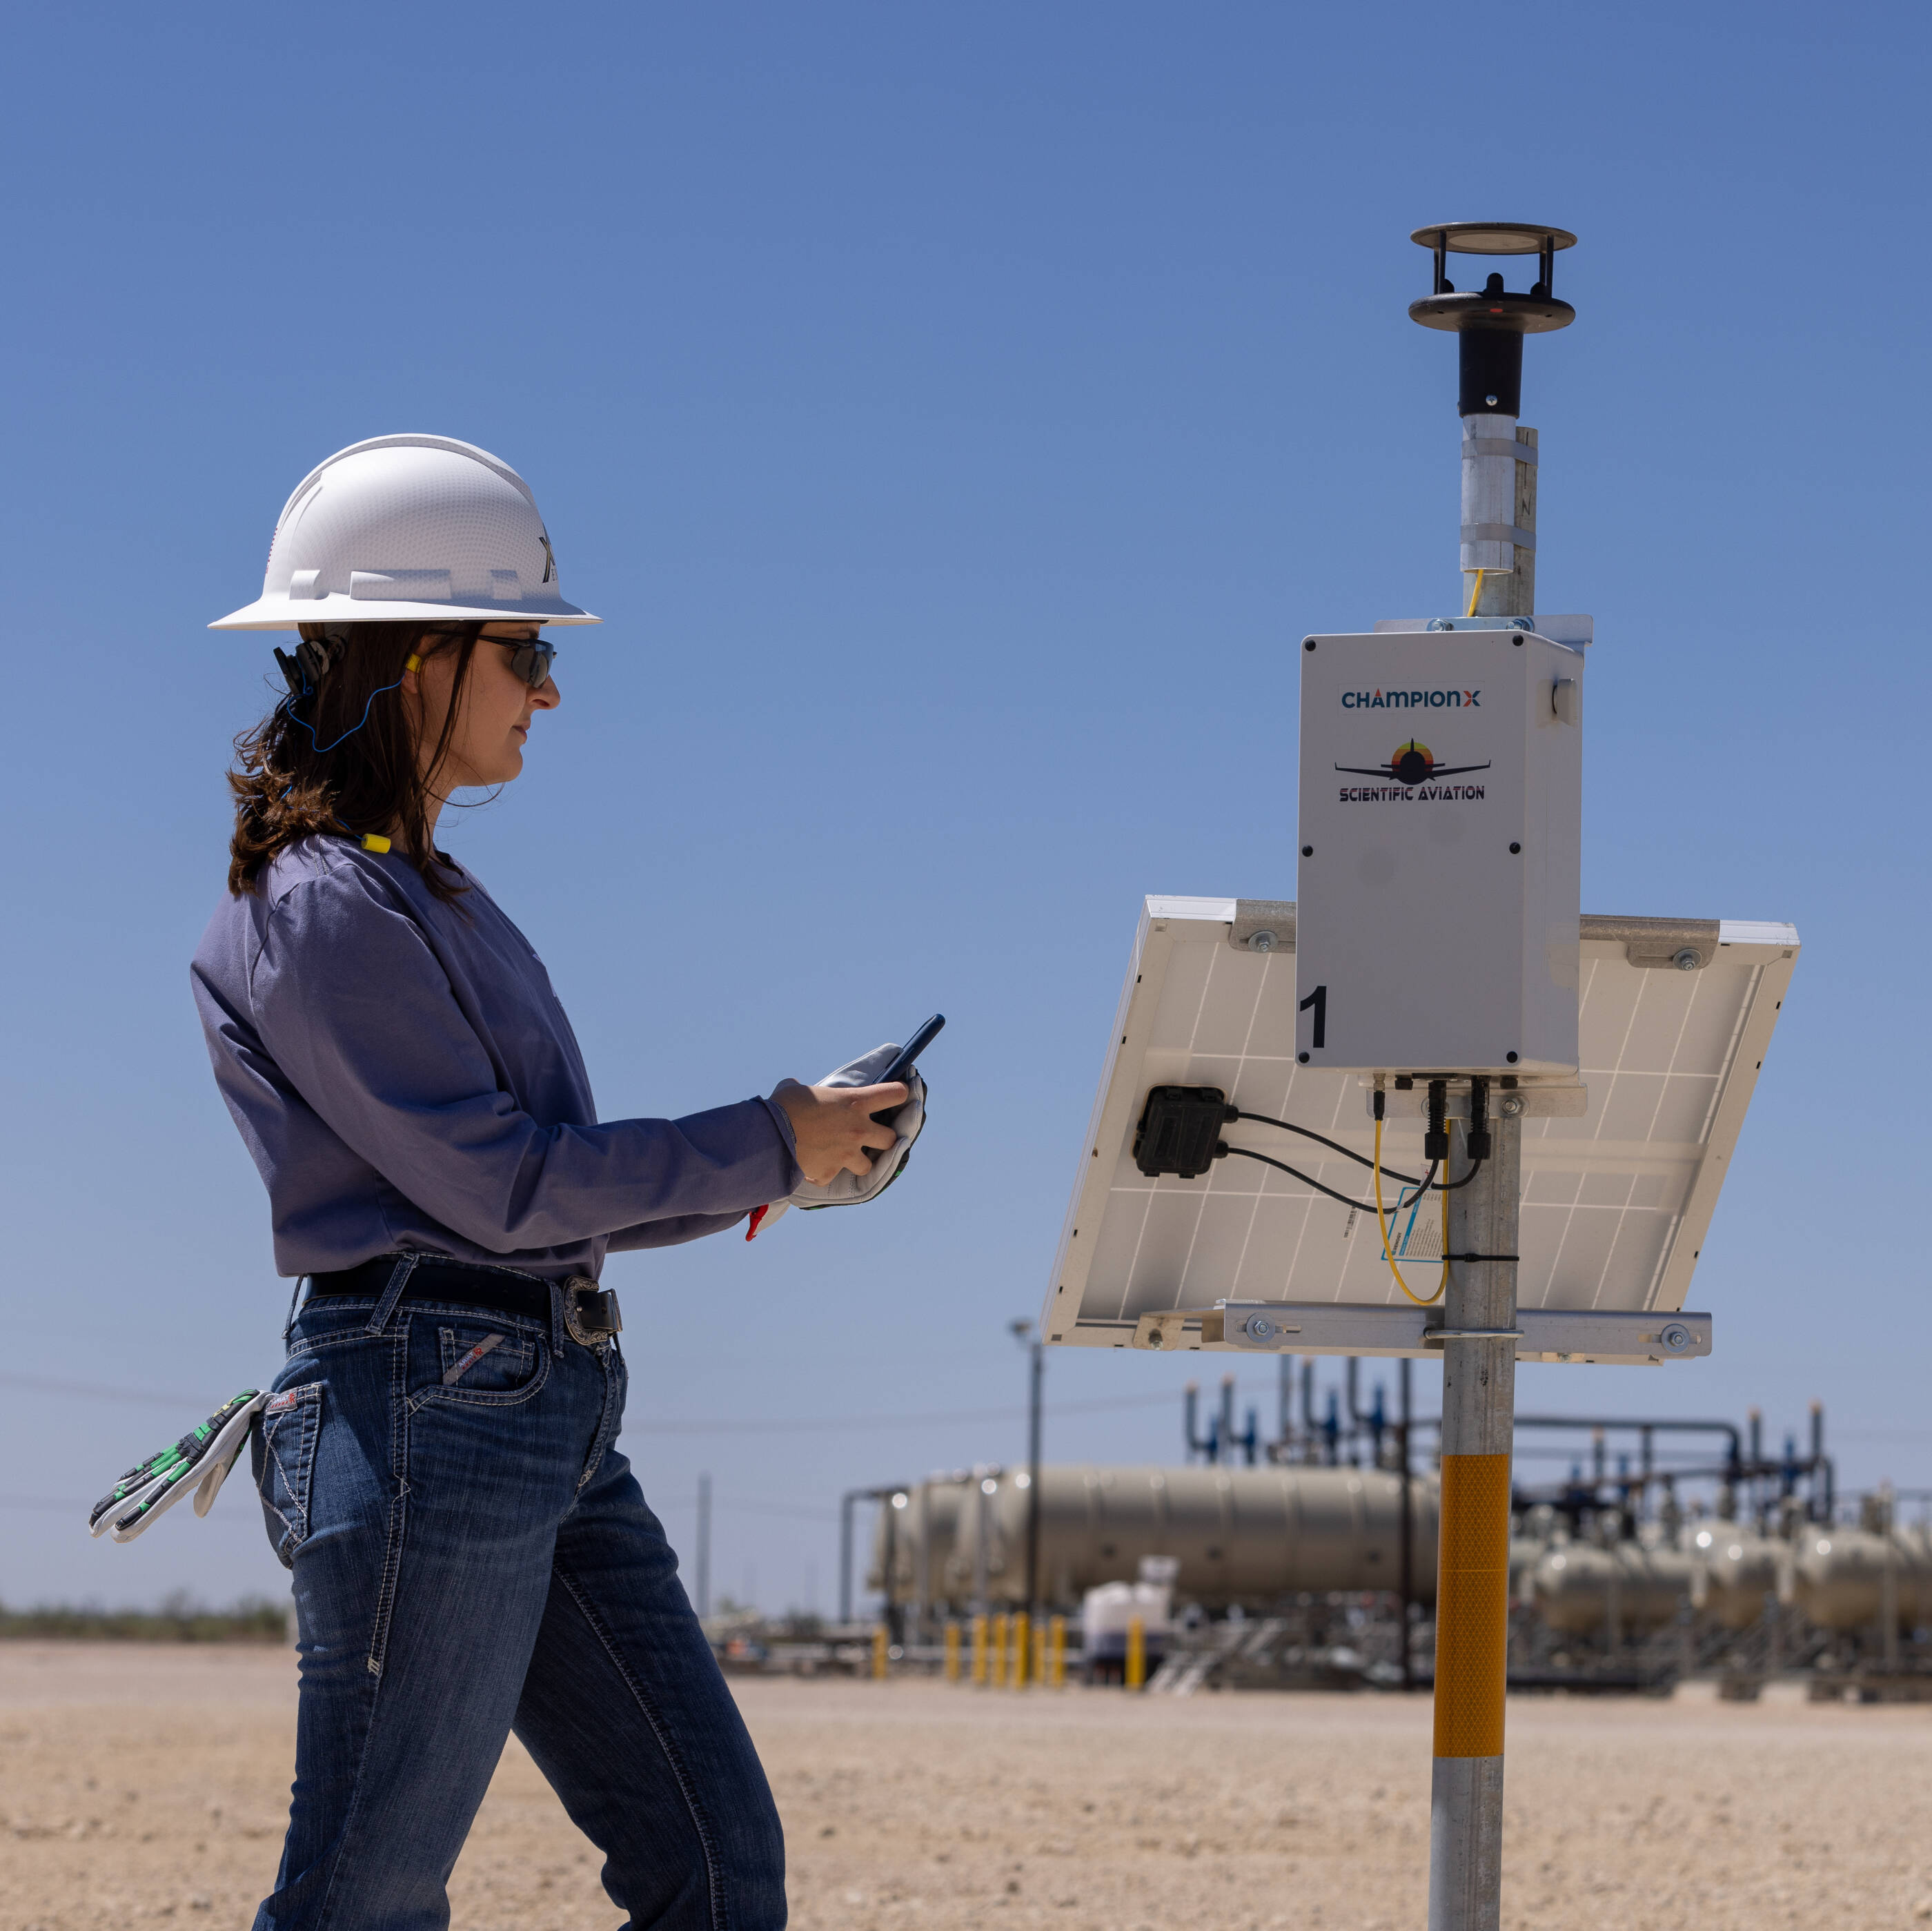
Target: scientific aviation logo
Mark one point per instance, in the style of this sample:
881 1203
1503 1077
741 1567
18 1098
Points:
1413 763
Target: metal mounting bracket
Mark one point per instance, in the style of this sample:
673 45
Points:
1330 1327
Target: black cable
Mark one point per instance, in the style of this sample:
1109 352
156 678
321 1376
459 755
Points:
1281 1167
1349 1153
1367 1205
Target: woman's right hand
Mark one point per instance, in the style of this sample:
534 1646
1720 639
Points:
832 1127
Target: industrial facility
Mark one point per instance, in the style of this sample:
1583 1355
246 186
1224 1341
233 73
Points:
1666 1548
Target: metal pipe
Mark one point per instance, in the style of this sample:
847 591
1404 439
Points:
1408 1558
703 1564
1308 1409
1224 1430
845 1502
1472 1585
1035 1382
1729 1429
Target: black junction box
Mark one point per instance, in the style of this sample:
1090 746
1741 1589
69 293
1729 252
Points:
1179 1131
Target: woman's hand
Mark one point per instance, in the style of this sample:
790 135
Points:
832 1127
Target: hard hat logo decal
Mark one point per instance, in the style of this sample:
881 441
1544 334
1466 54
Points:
1413 763
549 558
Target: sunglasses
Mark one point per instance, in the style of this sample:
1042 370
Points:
531 658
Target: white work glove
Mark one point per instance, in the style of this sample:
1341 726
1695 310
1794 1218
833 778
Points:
200 1461
849 1190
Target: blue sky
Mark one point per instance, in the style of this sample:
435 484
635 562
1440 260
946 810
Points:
956 414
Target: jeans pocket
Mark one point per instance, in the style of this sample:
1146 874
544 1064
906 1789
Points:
283 1454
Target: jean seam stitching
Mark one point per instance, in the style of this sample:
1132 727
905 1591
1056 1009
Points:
392 1555
700 1822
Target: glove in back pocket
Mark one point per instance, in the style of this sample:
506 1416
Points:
283 1453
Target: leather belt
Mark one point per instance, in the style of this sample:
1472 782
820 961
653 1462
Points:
590 1313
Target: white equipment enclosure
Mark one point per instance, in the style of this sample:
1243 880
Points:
1621 1162
1441 816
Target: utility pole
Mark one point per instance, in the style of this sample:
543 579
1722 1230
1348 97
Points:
1027 1335
1479 1328
703 1546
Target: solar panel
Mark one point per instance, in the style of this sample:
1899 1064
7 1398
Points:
1621 1173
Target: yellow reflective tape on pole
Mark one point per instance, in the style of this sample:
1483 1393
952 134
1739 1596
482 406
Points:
1472 1606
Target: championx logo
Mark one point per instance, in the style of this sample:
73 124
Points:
1412 700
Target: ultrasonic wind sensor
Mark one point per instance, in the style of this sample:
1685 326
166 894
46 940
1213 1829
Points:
1490 323
1493 320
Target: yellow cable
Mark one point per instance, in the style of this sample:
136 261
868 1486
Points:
1475 592
1381 1226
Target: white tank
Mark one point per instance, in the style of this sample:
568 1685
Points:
1838 1576
1733 1570
1575 1586
922 1535
1240 1535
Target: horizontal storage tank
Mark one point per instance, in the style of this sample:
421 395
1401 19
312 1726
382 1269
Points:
1838 1576
1576 1587
1240 1535
918 1538
1733 1569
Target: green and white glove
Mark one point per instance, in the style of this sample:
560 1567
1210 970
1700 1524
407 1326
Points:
851 1189
200 1460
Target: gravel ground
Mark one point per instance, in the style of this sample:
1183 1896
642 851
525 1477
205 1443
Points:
141 1784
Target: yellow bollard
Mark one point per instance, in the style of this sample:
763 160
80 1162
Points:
1135 1673
999 1652
1039 1653
979 1652
1056 1653
879 1652
952 1653
1022 1648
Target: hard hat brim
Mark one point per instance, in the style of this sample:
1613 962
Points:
286 613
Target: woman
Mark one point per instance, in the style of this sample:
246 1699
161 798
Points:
471 1554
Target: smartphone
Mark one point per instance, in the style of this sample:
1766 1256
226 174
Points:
905 1059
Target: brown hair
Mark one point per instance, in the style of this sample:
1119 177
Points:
343 757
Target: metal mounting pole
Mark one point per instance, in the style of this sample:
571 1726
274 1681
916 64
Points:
704 1545
1465 1823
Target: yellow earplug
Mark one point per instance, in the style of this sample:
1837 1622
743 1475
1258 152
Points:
374 841
412 662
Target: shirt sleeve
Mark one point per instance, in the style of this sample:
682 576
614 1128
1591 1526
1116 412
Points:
360 1016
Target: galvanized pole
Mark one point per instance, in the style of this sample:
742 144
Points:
1035 1391
703 1545
1465 1827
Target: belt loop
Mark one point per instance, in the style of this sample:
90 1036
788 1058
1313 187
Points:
405 1265
559 1300
295 1301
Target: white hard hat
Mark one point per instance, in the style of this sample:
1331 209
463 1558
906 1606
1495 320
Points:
408 528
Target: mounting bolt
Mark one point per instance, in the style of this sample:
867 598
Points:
1262 941
1260 1327
1686 960
1155 1338
1303 1058
1676 1336
1511 1106
1514 849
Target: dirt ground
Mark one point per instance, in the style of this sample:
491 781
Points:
142 1784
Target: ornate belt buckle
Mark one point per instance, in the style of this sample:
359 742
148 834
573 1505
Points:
590 1315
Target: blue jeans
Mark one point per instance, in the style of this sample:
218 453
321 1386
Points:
472 1556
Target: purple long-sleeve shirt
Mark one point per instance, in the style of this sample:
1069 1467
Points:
404 1077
